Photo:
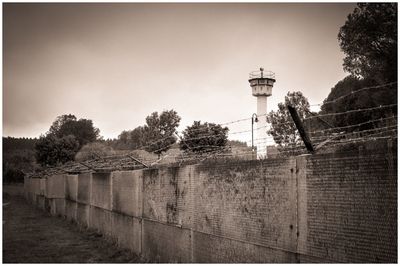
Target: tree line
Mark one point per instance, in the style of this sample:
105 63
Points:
68 135
18 158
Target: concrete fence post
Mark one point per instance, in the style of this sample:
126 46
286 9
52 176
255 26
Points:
301 176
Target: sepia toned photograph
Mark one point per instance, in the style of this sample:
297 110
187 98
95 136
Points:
200 132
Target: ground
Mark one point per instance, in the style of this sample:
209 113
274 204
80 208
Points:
33 236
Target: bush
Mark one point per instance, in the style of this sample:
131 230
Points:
12 175
92 150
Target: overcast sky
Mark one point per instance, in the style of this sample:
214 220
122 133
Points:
117 63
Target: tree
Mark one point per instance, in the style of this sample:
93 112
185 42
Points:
369 40
283 129
52 151
123 139
64 139
158 133
205 137
55 128
137 137
18 158
130 139
17 162
350 94
82 129
11 144
11 174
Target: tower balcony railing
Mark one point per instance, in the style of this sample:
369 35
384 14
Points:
261 74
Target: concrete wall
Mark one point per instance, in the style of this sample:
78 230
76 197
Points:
351 208
253 201
32 189
55 186
71 187
339 207
127 197
166 242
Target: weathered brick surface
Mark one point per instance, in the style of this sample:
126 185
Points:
55 186
352 207
57 206
127 231
100 219
214 249
167 195
70 210
302 227
339 207
185 196
84 188
127 192
71 187
252 201
165 242
34 189
28 189
43 187
160 189
101 190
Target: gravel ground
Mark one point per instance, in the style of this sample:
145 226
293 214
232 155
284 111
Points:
33 236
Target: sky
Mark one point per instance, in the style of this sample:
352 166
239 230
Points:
118 63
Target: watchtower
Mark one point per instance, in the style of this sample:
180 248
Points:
261 83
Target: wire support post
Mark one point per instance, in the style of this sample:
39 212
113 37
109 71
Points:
138 161
254 118
299 125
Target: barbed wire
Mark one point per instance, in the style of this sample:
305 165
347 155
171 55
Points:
272 140
357 140
356 132
212 135
247 131
354 111
243 119
354 92
194 130
208 151
354 125
224 152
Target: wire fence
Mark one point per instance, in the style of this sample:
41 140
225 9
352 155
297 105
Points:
380 126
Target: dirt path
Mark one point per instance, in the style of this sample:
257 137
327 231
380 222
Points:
32 236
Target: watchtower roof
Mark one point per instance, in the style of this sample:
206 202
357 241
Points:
259 74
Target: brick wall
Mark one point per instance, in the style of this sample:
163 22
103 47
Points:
253 201
127 192
339 207
352 207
